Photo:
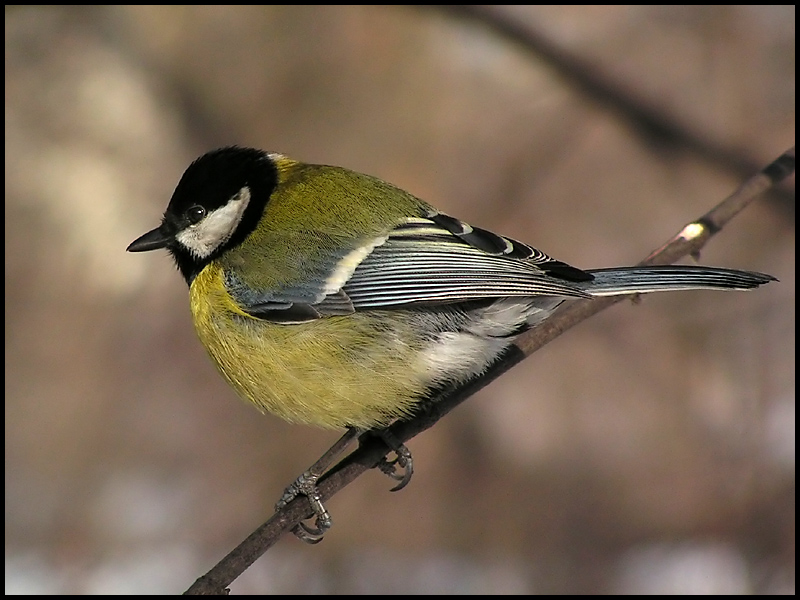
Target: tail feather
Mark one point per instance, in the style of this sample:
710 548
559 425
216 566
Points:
641 280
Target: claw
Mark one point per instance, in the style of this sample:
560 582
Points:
389 468
402 459
310 535
306 485
405 462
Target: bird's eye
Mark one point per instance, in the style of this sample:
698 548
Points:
195 214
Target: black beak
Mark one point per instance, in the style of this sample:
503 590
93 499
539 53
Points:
152 240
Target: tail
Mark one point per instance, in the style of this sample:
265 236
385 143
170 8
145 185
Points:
641 280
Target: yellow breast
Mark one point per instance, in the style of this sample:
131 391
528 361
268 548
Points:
330 372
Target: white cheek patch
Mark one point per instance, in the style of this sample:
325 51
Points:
201 239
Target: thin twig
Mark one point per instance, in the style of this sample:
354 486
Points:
645 116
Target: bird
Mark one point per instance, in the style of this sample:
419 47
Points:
332 298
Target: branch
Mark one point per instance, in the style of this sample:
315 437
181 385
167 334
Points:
688 241
644 116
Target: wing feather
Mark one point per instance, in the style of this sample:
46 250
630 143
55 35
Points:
424 261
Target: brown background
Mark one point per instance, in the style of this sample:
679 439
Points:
651 449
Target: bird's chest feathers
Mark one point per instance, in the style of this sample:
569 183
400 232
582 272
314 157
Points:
328 372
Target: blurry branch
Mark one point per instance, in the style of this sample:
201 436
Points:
645 117
688 241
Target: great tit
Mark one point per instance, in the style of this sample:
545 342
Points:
333 298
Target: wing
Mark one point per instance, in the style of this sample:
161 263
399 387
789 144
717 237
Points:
438 259
424 261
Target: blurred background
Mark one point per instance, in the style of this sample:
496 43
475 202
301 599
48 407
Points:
649 450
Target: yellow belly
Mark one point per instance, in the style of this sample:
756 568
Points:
331 372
